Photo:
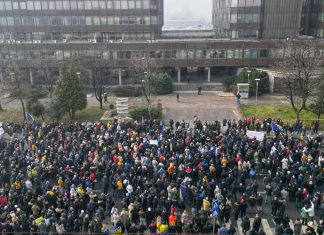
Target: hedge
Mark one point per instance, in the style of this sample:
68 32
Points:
127 91
138 112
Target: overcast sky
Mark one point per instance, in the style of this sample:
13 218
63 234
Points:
187 9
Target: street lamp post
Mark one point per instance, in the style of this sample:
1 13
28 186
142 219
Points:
256 91
249 72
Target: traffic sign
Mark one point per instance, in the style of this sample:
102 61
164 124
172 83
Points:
215 208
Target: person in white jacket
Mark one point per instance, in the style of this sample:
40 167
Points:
311 211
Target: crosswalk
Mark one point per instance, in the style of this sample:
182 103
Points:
268 225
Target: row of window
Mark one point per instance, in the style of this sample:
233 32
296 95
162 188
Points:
245 18
77 37
121 55
246 3
77 20
78 5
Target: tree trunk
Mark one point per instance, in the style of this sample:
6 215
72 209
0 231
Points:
73 114
23 107
297 115
100 102
1 109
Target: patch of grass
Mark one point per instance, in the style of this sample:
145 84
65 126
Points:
275 111
12 114
91 114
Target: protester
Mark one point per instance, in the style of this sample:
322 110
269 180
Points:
81 177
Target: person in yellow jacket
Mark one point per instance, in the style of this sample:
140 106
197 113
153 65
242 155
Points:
171 169
119 187
206 205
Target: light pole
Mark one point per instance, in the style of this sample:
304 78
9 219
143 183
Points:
256 91
248 72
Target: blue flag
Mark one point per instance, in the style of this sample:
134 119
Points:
276 127
29 117
182 192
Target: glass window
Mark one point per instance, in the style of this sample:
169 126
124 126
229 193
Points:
117 4
238 54
147 20
191 54
234 3
82 20
110 4
73 5
138 4
51 5
43 20
257 3
131 4
30 5
66 5
131 20
44 5
103 20
23 5
234 18
146 4
31 20
10 21
230 54
95 4
67 20
37 5
74 20
263 53
3 21
110 20
124 20
102 4
80 5
59 5
153 20
15 6
96 20
87 5
153 5
8 5
249 3
124 4
88 20
241 3
117 20
2 5
17 20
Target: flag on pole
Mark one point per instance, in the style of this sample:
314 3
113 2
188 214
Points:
182 192
276 127
29 117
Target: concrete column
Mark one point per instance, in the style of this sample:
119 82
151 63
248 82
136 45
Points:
120 77
208 74
1 75
179 74
31 78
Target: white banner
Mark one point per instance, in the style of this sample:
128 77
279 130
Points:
1 132
255 134
153 142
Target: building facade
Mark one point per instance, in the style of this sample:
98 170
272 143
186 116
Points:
49 21
266 19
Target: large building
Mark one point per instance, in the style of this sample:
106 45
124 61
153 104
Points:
113 34
49 21
268 19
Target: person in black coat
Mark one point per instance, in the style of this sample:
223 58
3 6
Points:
245 225
257 222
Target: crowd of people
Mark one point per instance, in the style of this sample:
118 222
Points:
133 177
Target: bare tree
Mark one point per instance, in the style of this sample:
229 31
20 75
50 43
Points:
97 80
49 77
15 83
299 67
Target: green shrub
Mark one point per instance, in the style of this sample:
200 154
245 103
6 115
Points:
161 84
229 82
127 91
138 112
264 83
